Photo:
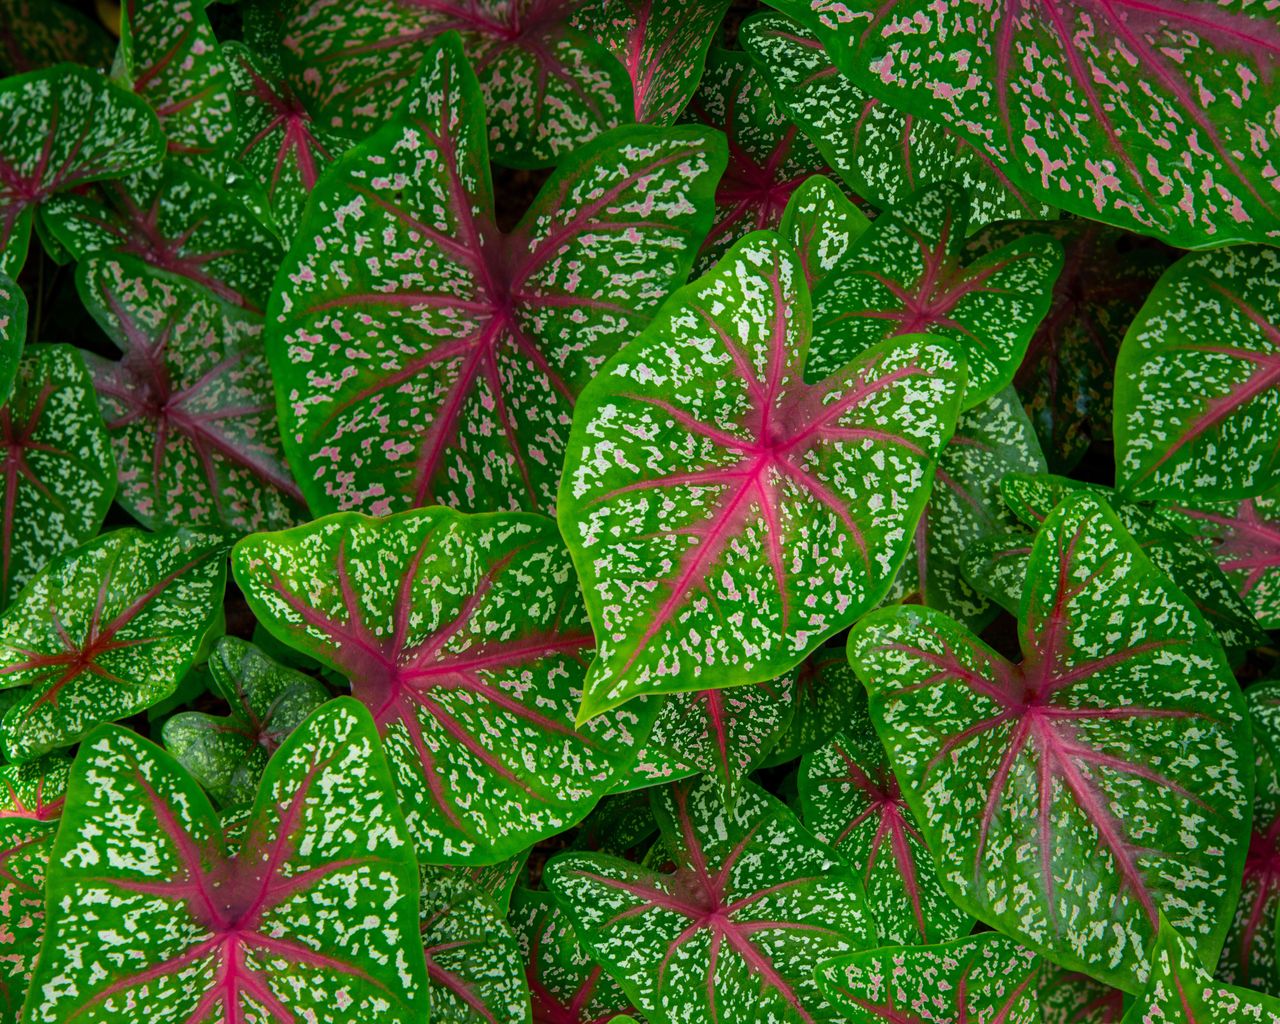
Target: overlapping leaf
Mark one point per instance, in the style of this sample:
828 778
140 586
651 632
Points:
58 129
153 907
106 631
735 932
13 332
1197 405
773 512
1073 797
823 225
189 405
420 355
466 638
35 34
267 701
827 698
1068 997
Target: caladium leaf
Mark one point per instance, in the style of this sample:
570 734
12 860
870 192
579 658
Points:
497 881
662 44
555 86
58 472
823 225
189 406
443 623
1068 997
152 904
58 129
1133 115
735 932
986 978
907 275
828 696
883 153
35 34
1199 375
226 754
444 370
619 825
13 333
105 631
727 553
1013 769
474 962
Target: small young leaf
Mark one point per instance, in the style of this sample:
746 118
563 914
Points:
1121 733
728 552
106 631
190 405
58 472
226 755
822 225
13 333
153 906
735 932
828 697
36 34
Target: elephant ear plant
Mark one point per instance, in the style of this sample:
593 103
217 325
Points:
639 512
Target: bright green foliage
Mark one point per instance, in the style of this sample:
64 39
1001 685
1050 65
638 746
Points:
424 357
58 129
1197 406
57 474
828 697
753 906
189 405
822 225
774 512
497 880
226 754
466 638
154 907
105 631
13 332
907 274
1121 733
986 978
39 33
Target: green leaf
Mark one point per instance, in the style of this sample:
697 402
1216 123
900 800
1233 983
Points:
907 274
153 907
35 34
773 512
985 978
189 406
466 638
1121 733
1068 997
827 697
497 881
58 129
58 475
735 932
422 356
226 754
13 333
883 153
823 225
1197 406
106 631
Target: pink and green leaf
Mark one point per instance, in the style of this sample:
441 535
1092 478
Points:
13 333
726 554
1068 997
828 696
1121 732
823 225
36 34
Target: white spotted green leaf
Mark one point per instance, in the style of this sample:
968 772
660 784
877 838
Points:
1068 997
828 696
823 225
13 332
37 34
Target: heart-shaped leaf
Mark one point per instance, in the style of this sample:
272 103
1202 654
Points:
1155 117
1199 375
190 406
985 978
1068 997
105 631
35 34
13 333
724 555
58 129
152 905
445 368
907 274
58 473
823 225
226 754
466 638
1121 733
828 697
735 932
884 154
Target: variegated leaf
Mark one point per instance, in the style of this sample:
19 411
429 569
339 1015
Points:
823 226
497 881
190 405
58 472
153 907
267 701
1068 997
36 34
828 697
466 638
736 931
907 274
423 357
58 129
13 333
1197 405
986 979
773 512
619 825
106 631
1073 797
